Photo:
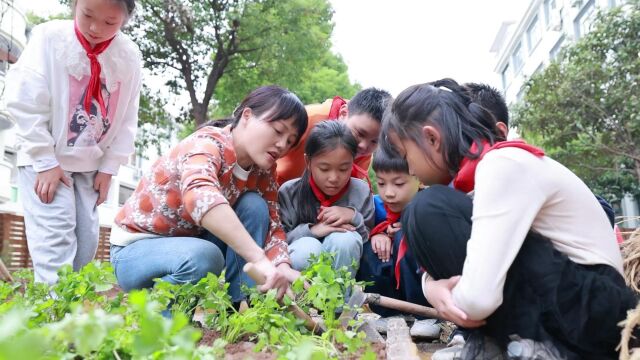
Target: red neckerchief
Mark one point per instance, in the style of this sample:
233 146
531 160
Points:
392 218
465 179
322 198
94 88
334 111
402 251
360 173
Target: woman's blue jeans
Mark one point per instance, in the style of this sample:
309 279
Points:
181 260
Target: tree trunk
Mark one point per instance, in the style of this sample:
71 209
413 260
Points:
199 113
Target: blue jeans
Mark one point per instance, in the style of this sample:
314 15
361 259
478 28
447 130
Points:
181 260
347 247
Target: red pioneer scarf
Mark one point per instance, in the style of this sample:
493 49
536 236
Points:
336 105
360 173
465 179
326 201
93 89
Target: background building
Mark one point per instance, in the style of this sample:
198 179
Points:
527 46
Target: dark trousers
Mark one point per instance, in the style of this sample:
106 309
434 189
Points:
382 276
546 297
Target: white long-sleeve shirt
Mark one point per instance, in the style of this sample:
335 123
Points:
45 90
515 192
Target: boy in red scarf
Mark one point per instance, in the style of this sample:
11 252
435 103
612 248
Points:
385 260
362 115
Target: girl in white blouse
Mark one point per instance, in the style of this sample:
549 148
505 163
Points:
74 96
530 256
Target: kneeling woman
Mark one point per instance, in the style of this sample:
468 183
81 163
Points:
531 256
211 202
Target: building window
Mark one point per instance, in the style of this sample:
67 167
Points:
549 7
553 54
123 194
538 69
517 58
582 23
505 77
521 93
533 34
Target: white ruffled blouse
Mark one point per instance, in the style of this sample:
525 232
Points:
45 92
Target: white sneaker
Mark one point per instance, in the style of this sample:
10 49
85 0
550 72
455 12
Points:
425 329
457 339
449 353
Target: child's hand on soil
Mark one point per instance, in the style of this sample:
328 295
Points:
47 183
382 245
335 215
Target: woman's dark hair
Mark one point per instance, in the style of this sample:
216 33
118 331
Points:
445 105
129 5
386 159
276 103
325 136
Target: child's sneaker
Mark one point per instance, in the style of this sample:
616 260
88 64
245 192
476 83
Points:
456 338
527 349
425 329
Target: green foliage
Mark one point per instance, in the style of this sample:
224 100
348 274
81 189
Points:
35 19
584 108
75 319
319 80
155 125
219 50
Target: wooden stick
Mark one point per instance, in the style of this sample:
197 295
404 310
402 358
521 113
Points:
404 306
4 272
309 323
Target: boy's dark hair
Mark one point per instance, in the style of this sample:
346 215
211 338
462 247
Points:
370 101
489 98
325 136
385 159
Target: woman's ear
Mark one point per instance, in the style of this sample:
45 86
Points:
245 116
432 136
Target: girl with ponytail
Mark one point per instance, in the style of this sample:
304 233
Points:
529 260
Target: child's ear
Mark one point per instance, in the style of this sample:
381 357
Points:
504 129
431 136
307 161
343 113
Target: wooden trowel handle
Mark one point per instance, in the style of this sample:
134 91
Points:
404 306
260 279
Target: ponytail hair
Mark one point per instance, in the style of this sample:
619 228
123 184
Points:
325 136
444 105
